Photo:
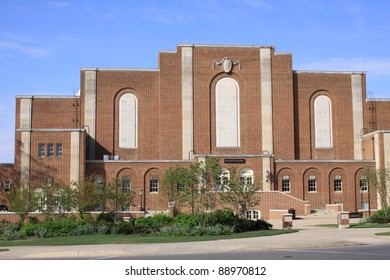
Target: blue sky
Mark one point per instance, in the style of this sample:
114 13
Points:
43 43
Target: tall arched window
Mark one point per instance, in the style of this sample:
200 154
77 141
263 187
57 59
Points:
128 121
227 113
323 122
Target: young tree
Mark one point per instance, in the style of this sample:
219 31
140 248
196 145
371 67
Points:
208 174
380 179
87 196
178 185
240 194
22 201
118 197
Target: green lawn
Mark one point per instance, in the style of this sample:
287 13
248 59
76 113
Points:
132 239
369 225
384 233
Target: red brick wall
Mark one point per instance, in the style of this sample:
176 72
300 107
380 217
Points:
283 107
337 87
56 112
325 172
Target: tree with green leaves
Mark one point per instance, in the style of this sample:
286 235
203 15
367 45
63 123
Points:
119 197
88 196
380 179
22 201
208 173
179 185
240 194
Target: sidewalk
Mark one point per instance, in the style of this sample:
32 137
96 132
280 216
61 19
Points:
310 235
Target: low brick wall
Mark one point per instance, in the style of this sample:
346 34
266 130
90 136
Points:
276 214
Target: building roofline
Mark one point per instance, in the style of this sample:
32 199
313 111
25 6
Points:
121 69
46 96
225 46
378 99
328 72
51 130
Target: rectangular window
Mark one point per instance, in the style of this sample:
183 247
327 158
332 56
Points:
7 186
126 184
99 181
126 208
222 183
58 150
50 150
41 150
338 184
286 184
363 183
153 183
312 186
246 181
181 187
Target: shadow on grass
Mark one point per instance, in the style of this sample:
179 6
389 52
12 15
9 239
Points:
133 239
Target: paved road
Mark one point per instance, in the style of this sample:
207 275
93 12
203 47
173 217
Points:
365 252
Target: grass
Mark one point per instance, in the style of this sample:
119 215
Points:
359 225
369 225
384 233
133 239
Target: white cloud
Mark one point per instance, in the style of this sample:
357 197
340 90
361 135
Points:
32 51
59 4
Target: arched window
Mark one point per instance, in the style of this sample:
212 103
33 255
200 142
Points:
247 177
41 199
128 121
227 113
223 180
323 122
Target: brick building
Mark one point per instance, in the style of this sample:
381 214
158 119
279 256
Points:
308 136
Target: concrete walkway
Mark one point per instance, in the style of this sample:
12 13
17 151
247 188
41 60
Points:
311 235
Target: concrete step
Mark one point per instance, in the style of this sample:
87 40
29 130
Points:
322 212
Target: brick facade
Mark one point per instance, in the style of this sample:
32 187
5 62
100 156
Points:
176 124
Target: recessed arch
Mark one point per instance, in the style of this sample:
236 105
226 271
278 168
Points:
128 121
227 113
323 122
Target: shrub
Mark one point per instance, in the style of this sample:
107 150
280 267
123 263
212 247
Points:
381 216
243 225
3 225
178 230
103 229
188 220
87 229
223 217
33 220
11 232
105 217
29 229
123 228
43 233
